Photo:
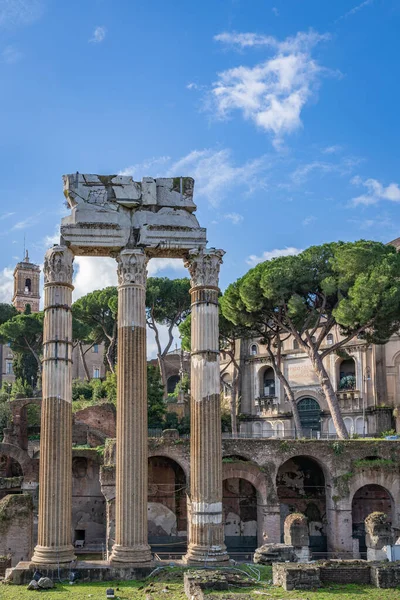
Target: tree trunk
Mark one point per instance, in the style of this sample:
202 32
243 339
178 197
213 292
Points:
233 402
83 359
161 366
110 355
329 393
289 394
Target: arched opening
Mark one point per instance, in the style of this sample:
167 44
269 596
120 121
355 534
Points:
11 476
268 389
295 345
166 509
310 416
368 499
253 350
172 382
257 429
239 498
226 386
329 339
347 374
28 286
301 488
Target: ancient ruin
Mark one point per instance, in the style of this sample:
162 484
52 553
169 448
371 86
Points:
132 222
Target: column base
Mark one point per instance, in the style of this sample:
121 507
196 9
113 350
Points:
43 555
205 555
122 555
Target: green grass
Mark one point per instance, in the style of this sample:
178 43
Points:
172 581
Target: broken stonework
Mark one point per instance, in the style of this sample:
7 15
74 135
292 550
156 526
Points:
273 553
296 577
296 535
378 535
16 527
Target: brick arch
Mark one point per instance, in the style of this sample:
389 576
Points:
326 469
29 466
389 481
248 472
176 457
19 403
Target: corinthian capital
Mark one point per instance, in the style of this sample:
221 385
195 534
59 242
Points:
58 265
132 267
204 266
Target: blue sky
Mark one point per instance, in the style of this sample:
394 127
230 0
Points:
285 112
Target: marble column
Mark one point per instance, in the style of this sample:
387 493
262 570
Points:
131 461
55 480
206 527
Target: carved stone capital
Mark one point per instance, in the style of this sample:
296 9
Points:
132 267
203 266
58 265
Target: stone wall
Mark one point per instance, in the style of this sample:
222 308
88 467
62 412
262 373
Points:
16 527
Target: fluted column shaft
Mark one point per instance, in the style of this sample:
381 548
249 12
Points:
206 528
55 483
131 460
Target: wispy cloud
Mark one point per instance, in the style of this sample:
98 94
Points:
269 254
273 93
215 172
335 149
148 168
19 12
235 218
309 220
6 285
343 167
28 222
10 55
6 215
355 9
98 35
376 191
275 11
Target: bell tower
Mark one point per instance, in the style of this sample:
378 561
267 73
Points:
26 285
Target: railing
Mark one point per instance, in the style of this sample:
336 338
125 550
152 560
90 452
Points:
290 434
349 399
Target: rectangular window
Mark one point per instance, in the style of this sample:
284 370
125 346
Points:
96 373
95 348
9 367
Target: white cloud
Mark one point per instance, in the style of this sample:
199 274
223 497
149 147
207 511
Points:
28 222
275 11
10 55
272 93
6 215
147 168
214 171
345 166
235 218
216 174
355 10
332 149
269 254
6 285
19 12
309 220
376 191
98 35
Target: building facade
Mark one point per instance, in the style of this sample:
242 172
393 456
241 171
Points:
366 379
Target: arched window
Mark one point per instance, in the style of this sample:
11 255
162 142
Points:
257 429
295 345
28 286
269 382
347 374
172 382
313 339
329 339
310 415
254 350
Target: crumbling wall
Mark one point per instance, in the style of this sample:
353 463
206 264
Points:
16 527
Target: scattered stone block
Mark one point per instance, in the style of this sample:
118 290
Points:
292 576
386 575
33 585
45 583
273 553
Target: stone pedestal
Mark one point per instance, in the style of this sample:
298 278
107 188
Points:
131 545
379 534
206 528
55 485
